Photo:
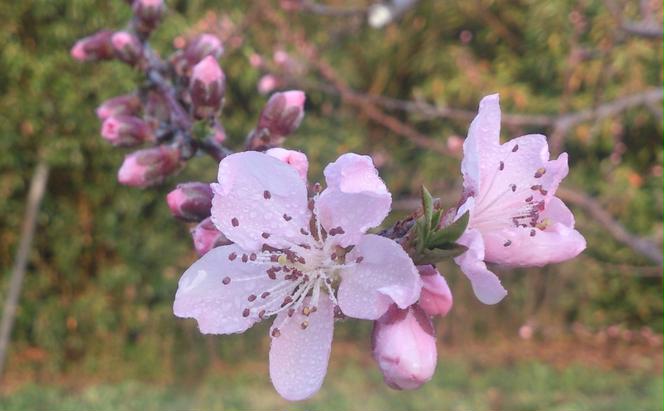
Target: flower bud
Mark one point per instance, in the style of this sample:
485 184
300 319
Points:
148 14
267 83
190 201
95 47
196 50
219 133
149 166
293 158
206 237
126 131
404 345
435 297
127 47
207 87
283 113
128 104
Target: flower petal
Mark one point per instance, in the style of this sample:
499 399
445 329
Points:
436 296
486 284
258 196
214 291
384 274
299 357
483 138
356 199
528 247
293 158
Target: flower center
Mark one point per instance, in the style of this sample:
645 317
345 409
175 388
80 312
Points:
506 204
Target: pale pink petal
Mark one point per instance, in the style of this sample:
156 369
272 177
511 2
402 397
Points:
383 273
483 138
486 284
299 357
436 296
214 291
258 200
528 246
356 199
293 158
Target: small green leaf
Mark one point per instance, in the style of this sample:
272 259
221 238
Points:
427 206
449 234
433 256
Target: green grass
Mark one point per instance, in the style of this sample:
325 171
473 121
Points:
460 386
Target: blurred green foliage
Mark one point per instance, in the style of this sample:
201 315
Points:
106 258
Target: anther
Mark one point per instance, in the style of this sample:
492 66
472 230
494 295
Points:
536 187
543 191
291 311
265 295
267 195
304 324
246 312
245 258
529 199
265 235
304 232
287 217
226 281
235 222
513 187
533 232
359 259
540 172
501 167
261 314
251 298
311 205
507 243
252 257
306 310
515 148
276 333
232 256
316 188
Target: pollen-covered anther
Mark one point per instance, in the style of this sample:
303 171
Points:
540 172
251 298
336 231
246 312
306 311
304 324
232 256
276 333
265 295
267 195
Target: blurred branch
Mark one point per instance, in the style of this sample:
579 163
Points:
642 29
35 196
617 230
330 11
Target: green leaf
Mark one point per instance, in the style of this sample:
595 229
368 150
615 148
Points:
433 256
427 206
449 234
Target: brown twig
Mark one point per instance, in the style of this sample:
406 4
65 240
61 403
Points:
35 196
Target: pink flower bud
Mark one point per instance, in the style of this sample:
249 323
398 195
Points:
255 60
127 47
128 104
267 83
293 158
404 345
190 201
149 166
283 113
95 47
435 297
148 14
126 131
207 87
206 237
196 50
218 133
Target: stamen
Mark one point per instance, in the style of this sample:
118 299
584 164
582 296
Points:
507 243
515 148
276 333
232 256
501 167
304 324
540 172
265 235
235 222
287 217
246 312
251 298
226 281
267 195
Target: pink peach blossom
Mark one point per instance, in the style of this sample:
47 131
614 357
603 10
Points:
515 219
293 158
286 261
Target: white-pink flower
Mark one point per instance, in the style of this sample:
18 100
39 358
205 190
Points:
287 261
515 219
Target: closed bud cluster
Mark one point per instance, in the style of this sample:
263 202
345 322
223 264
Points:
283 113
95 47
149 166
207 87
190 201
435 297
126 131
206 237
196 50
148 14
127 47
129 104
404 345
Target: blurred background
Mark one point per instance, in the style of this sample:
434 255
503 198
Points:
94 326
